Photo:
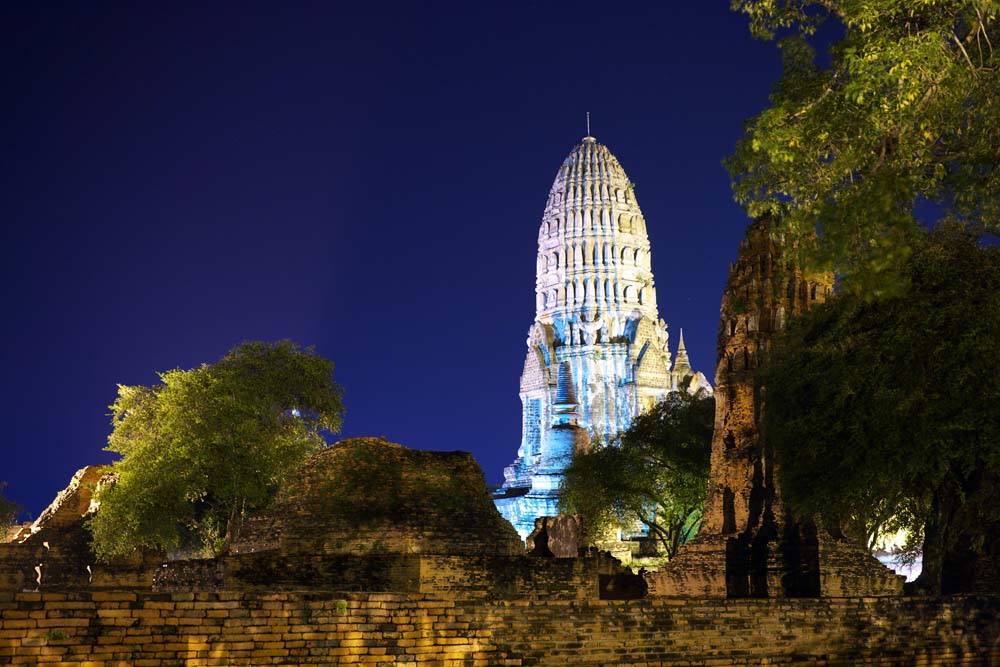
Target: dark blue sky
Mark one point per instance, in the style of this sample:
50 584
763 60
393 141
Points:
367 178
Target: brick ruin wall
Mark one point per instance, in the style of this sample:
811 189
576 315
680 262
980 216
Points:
455 589
105 629
368 496
447 577
749 543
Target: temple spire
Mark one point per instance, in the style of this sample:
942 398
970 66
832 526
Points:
566 407
584 370
682 365
588 139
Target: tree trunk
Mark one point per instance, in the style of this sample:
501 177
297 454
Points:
937 537
233 527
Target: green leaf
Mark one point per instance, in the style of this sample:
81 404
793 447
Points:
205 446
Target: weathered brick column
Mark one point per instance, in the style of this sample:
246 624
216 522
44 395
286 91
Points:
749 545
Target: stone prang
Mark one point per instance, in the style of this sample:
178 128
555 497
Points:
596 322
749 544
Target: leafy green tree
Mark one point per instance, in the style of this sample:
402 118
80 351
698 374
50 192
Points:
205 446
904 117
657 476
886 414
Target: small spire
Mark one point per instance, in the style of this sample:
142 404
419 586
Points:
682 365
565 393
566 408
588 139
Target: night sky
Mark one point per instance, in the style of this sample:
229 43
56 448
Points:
367 178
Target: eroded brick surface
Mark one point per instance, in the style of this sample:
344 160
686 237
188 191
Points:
54 551
371 496
229 628
749 544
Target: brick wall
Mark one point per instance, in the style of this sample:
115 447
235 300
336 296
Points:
516 578
67 562
108 629
447 577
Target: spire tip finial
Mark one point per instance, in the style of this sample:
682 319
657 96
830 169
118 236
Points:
588 139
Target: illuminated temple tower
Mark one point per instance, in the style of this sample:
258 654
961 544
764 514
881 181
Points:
597 349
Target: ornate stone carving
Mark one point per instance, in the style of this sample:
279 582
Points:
589 330
539 336
593 285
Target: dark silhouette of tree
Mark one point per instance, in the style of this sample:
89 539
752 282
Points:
885 414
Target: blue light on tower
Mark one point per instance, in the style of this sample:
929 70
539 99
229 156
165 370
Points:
597 350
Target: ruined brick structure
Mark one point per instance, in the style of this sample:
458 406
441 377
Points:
329 627
749 545
371 496
379 567
595 315
54 550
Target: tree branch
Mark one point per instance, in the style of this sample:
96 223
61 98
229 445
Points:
972 68
816 101
982 29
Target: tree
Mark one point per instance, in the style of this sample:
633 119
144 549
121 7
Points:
205 446
8 509
658 476
886 414
903 121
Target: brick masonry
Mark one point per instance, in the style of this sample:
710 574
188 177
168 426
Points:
749 543
114 629
368 496
447 585
447 577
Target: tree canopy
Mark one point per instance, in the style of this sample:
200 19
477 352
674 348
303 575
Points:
886 414
8 509
205 446
901 124
657 476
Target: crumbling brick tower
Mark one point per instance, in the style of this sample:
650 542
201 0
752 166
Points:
749 545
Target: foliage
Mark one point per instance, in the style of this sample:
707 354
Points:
8 509
206 445
904 118
886 414
658 476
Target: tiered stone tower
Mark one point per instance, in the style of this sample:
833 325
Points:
595 316
749 545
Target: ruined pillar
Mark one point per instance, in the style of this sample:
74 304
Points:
749 544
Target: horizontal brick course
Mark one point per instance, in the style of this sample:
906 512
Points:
107 630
